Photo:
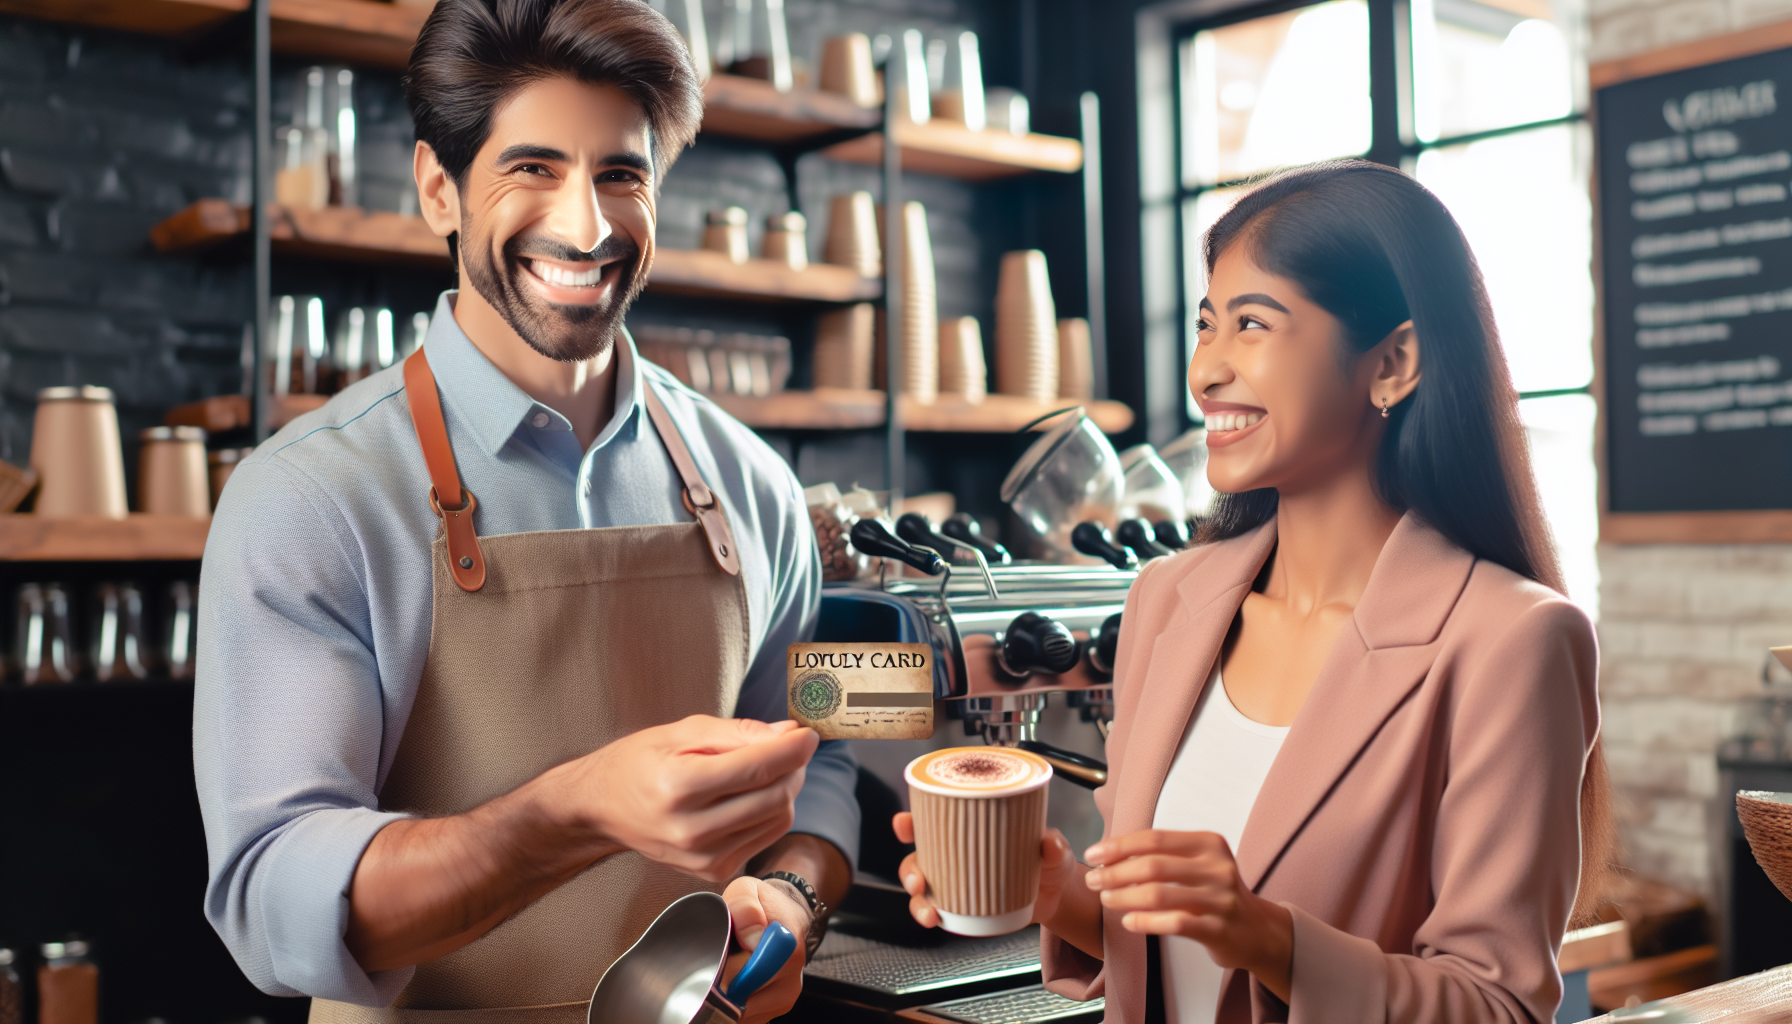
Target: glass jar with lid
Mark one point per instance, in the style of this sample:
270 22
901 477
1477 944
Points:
68 984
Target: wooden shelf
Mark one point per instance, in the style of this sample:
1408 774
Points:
355 31
231 412
349 233
748 108
837 409
951 150
334 232
28 538
701 272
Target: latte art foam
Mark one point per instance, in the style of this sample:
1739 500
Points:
978 769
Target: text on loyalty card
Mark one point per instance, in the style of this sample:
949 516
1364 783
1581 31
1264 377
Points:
855 659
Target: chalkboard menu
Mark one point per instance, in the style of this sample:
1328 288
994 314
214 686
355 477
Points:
1696 248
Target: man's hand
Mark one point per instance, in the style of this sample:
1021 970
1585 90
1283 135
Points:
1187 883
702 795
755 903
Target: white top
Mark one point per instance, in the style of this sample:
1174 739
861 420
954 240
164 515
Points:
1219 767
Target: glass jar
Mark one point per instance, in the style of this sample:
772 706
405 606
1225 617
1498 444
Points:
68 984
12 994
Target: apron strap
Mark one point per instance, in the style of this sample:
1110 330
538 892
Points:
464 558
698 498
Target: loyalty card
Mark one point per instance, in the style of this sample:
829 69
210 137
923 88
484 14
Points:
863 691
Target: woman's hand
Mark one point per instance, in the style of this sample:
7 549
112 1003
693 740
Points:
1186 883
1054 874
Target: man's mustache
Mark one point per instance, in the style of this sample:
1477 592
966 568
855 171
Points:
615 247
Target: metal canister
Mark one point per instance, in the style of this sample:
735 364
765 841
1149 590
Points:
171 472
76 453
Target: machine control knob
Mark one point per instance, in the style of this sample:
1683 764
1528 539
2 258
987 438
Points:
1172 534
963 528
1103 645
1092 539
1138 535
1037 643
875 539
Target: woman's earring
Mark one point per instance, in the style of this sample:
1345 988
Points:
1384 408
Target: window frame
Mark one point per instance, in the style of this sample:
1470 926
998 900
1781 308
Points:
1393 139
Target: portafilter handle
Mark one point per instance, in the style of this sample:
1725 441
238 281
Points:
1137 535
873 538
1172 534
964 529
1092 539
917 530
1103 645
1081 769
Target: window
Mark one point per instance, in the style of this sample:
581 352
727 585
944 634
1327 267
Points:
1483 105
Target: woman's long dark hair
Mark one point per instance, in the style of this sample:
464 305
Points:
1374 248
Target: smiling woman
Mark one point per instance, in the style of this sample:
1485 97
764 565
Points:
1353 771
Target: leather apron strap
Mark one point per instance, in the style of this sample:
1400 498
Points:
465 560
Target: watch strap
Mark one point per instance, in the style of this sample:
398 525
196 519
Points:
818 910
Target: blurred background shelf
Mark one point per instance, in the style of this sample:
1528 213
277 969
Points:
231 412
751 108
28 538
951 150
839 409
373 236
357 31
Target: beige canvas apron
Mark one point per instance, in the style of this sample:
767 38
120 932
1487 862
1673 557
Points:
543 647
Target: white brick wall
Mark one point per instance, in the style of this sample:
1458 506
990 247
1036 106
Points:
1683 635
1621 28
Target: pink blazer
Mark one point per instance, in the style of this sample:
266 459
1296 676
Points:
1422 819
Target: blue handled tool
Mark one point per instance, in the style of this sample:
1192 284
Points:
773 951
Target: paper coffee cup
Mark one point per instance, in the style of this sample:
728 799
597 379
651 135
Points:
979 817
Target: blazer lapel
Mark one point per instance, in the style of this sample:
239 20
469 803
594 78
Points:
1371 669
1181 660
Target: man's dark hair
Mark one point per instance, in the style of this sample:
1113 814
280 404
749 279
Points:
472 54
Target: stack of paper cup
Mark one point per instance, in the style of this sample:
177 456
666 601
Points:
77 454
1026 328
843 347
920 308
853 236
1076 375
847 69
962 373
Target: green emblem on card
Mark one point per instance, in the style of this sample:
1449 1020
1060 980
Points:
816 695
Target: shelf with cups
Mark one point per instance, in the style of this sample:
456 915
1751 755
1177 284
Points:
849 409
355 235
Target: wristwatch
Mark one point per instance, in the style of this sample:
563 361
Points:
818 911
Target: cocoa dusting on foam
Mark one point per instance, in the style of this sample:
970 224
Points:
978 769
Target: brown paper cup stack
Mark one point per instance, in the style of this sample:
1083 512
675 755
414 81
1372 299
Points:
1026 328
843 347
920 308
979 817
172 479
962 373
853 236
786 240
1076 376
846 68
77 455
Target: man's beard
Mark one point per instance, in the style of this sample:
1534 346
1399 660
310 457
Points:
568 333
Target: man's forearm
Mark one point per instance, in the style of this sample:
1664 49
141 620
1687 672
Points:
426 887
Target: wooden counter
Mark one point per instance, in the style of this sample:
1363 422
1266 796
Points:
1764 998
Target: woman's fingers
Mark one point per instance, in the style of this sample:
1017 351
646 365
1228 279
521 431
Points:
1198 899
1138 844
904 827
919 906
1198 870
1165 922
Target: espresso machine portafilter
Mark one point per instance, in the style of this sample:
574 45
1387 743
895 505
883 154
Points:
1007 636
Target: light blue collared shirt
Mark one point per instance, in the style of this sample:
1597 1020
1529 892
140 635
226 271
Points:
315 619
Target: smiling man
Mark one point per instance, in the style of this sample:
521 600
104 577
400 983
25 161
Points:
491 653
